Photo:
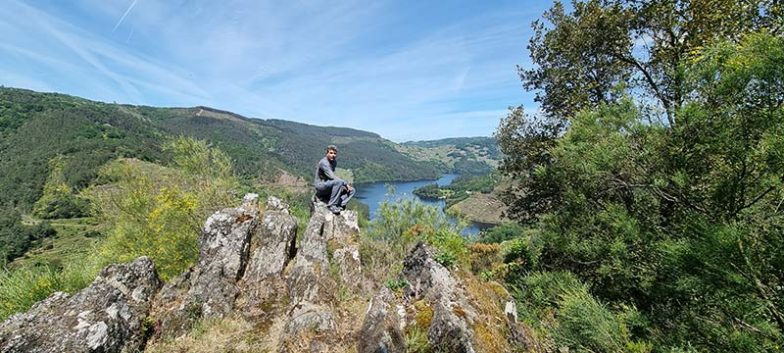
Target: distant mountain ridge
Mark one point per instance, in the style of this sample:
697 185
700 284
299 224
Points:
36 127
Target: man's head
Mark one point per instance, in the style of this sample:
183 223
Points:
332 152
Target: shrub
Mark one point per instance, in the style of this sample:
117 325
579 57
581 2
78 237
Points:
501 233
158 212
407 222
562 309
58 199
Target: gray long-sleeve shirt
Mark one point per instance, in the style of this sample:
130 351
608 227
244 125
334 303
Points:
325 171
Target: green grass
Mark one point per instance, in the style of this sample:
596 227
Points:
59 264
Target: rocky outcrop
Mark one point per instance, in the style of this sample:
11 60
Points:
381 330
312 287
209 289
107 316
453 315
310 298
434 299
272 247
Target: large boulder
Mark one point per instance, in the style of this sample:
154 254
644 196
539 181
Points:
381 329
273 246
209 289
453 314
107 316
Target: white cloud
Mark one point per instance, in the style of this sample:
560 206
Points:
319 62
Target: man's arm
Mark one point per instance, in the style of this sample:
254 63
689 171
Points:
327 169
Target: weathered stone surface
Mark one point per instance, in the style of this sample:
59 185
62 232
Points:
310 287
343 227
380 332
166 305
212 283
224 245
273 242
449 332
453 315
107 316
349 264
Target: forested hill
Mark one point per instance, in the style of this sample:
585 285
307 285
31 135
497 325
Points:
462 155
37 127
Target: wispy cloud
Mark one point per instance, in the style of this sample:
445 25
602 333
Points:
120 21
388 67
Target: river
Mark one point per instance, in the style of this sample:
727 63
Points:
373 194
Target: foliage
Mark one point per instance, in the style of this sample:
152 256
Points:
574 318
429 192
465 166
459 189
605 49
158 212
15 237
38 127
485 259
58 199
526 142
396 284
501 233
403 224
461 155
21 288
681 222
368 156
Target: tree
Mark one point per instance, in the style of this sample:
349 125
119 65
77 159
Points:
605 49
58 199
683 222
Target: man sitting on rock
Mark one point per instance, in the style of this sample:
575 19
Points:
329 185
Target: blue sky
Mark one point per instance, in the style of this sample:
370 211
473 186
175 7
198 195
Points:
407 70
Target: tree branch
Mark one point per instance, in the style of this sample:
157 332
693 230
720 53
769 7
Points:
651 82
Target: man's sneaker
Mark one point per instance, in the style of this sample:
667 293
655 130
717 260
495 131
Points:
334 209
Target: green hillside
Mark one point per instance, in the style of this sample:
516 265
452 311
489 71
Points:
36 127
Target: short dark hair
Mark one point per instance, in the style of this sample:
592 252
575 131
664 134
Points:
331 148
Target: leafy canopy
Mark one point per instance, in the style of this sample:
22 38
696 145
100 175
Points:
682 222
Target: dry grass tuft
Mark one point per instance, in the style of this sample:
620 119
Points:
491 331
423 314
232 334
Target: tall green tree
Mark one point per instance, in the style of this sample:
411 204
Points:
683 222
604 49
596 52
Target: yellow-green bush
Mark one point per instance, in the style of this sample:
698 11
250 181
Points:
58 199
156 211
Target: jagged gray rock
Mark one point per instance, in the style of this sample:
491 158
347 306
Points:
212 283
342 228
248 265
453 314
273 246
380 332
349 265
310 286
107 316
